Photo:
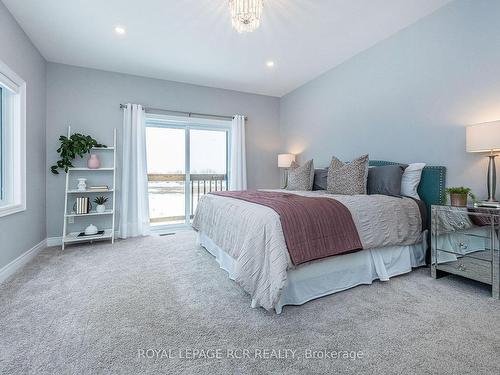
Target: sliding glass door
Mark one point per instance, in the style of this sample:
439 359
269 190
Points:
166 174
185 161
208 163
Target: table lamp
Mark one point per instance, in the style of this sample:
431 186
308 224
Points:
285 161
485 137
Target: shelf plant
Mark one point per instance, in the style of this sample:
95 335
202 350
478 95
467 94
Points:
100 201
458 195
76 145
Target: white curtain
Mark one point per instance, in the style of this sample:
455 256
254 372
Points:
238 171
134 207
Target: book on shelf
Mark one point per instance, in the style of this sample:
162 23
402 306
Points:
98 187
82 205
78 205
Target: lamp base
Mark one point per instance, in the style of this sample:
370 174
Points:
492 178
284 179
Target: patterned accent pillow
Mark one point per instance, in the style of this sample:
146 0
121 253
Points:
347 178
301 177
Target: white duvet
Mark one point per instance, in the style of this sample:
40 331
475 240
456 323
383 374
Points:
251 234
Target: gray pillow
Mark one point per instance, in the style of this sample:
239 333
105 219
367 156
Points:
320 176
301 177
348 178
385 180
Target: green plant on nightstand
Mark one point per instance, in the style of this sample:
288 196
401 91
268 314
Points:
458 195
100 201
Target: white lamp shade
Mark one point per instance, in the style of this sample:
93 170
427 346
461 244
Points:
483 137
285 160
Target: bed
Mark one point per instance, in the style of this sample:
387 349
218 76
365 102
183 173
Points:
247 241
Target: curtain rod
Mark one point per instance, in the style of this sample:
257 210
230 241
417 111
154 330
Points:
189 114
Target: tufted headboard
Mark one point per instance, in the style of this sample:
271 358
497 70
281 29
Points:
432 183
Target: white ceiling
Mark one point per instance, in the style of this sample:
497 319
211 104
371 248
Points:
192 40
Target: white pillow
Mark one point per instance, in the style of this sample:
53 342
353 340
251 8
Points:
411 179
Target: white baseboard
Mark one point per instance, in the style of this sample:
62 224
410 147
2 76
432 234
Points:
18 263
54 241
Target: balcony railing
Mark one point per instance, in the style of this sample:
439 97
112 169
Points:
200 184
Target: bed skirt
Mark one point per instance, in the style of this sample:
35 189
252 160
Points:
334 274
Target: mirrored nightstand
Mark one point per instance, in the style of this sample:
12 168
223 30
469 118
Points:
465 242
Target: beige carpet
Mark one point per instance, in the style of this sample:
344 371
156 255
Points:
106 309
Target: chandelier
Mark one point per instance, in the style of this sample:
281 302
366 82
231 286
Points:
246 14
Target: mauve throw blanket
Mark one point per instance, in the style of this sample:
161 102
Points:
313 228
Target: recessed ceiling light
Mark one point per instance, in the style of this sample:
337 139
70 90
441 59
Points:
120 30
270 64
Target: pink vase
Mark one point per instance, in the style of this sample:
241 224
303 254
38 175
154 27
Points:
93 162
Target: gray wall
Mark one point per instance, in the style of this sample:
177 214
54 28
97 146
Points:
407 98
21 231
88 100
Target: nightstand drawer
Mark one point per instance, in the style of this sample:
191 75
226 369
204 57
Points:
471 268
474 242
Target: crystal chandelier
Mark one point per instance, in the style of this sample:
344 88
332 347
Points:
246 14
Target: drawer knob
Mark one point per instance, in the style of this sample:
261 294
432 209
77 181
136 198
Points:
461 267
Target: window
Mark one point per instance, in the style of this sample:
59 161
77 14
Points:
12 142
187 158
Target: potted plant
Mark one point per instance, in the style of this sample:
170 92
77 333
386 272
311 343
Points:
76 145
459 195
100 201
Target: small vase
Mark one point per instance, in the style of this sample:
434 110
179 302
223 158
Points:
93 162
100 208
82 184
458 200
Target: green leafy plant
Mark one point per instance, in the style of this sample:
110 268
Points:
100 200
76 145
461 190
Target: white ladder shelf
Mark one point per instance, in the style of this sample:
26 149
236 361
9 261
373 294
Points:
109 233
